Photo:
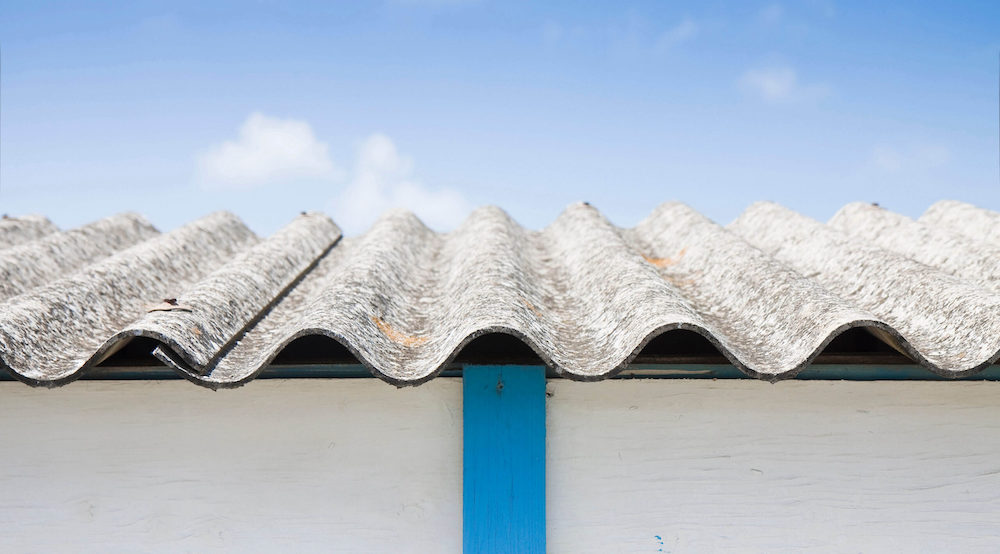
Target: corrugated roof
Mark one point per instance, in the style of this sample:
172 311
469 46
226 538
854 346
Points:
770 290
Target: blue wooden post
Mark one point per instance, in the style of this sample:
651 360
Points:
504 459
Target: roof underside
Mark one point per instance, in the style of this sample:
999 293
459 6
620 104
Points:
771 293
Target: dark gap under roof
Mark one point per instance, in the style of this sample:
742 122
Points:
680 346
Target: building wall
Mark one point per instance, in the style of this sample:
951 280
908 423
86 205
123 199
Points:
304 465
745 466
633 466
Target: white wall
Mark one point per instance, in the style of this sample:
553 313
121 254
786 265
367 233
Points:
305 465
746 466
357 465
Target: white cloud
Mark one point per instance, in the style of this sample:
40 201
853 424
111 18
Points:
271 150
686 30
267 150
382 180
780 84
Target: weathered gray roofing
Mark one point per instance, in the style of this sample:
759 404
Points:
770 290
18 230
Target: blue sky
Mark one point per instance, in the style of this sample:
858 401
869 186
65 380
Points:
175 110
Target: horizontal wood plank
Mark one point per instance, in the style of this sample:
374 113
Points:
746 466
342 465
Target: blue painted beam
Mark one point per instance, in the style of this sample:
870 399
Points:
504 459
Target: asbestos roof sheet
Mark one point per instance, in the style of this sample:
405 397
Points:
770 290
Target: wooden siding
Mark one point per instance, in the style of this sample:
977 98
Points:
632 465
745 466
305 465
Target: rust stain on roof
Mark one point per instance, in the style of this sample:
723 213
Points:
396 336
666 262
531 307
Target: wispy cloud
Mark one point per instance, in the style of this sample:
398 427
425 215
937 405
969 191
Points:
383 179
684 31
632 34
266 150
269 150
780 84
